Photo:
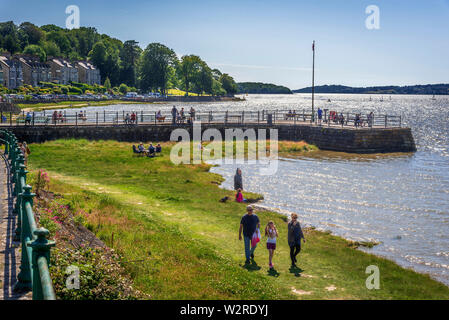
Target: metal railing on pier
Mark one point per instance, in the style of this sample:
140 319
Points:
266 117
35 248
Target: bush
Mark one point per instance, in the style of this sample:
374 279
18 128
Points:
123 88
101 276
75 90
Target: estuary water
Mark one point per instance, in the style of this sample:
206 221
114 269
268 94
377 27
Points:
398 200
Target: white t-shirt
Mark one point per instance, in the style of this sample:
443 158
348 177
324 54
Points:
271 237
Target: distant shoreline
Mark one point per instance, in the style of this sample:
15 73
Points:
67 104
428 89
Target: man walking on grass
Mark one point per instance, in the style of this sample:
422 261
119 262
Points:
248 224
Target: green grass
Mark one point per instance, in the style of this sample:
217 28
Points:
182 243
72 104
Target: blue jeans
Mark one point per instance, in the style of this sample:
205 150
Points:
248 251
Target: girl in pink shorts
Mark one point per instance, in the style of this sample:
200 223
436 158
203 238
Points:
271 233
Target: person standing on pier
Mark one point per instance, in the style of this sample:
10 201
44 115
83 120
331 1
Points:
320 115
174 113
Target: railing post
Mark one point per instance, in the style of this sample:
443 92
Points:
14 161
40 248
386 121
25 275
400 121
7 139
22 172
20 161
96 118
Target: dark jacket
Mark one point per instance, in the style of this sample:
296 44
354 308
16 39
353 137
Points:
238 183
294 233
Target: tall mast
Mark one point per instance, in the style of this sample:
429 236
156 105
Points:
313 82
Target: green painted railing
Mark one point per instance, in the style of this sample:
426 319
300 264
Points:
35 256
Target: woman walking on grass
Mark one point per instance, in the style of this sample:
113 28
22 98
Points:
294 238
271 233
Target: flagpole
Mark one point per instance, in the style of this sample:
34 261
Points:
313 82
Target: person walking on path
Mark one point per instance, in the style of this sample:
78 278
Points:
238 181
249 224
174 113
294 237
271 233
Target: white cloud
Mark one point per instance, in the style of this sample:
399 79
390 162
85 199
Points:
250 66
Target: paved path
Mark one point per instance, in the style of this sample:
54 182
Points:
9 250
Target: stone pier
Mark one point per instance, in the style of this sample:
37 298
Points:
355 140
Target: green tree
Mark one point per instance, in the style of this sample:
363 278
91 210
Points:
33 33
155 68
35 50
61 40
51 49
129 56
217 89
123 88
216 74
189 69
98 55
228 83
203 79
107 83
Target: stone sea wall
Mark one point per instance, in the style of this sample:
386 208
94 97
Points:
362 140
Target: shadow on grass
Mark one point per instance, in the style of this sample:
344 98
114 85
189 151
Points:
296 270
252 266
273 272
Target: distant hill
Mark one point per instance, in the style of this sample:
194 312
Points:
259 87
417 89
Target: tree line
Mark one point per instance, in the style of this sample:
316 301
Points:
262 88
416 89
156 68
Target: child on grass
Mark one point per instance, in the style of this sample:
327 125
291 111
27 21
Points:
271 233
239 196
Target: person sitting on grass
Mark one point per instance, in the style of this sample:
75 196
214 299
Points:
151 150
141 148
239 196
271 233
158 148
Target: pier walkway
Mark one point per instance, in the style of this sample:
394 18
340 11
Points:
9 249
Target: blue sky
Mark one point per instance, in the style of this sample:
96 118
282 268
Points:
270 41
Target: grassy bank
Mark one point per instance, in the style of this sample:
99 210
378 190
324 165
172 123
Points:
180 242
71 104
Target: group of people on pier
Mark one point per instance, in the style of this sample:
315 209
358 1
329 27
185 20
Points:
179 116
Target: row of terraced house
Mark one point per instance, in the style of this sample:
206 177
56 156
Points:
17 70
